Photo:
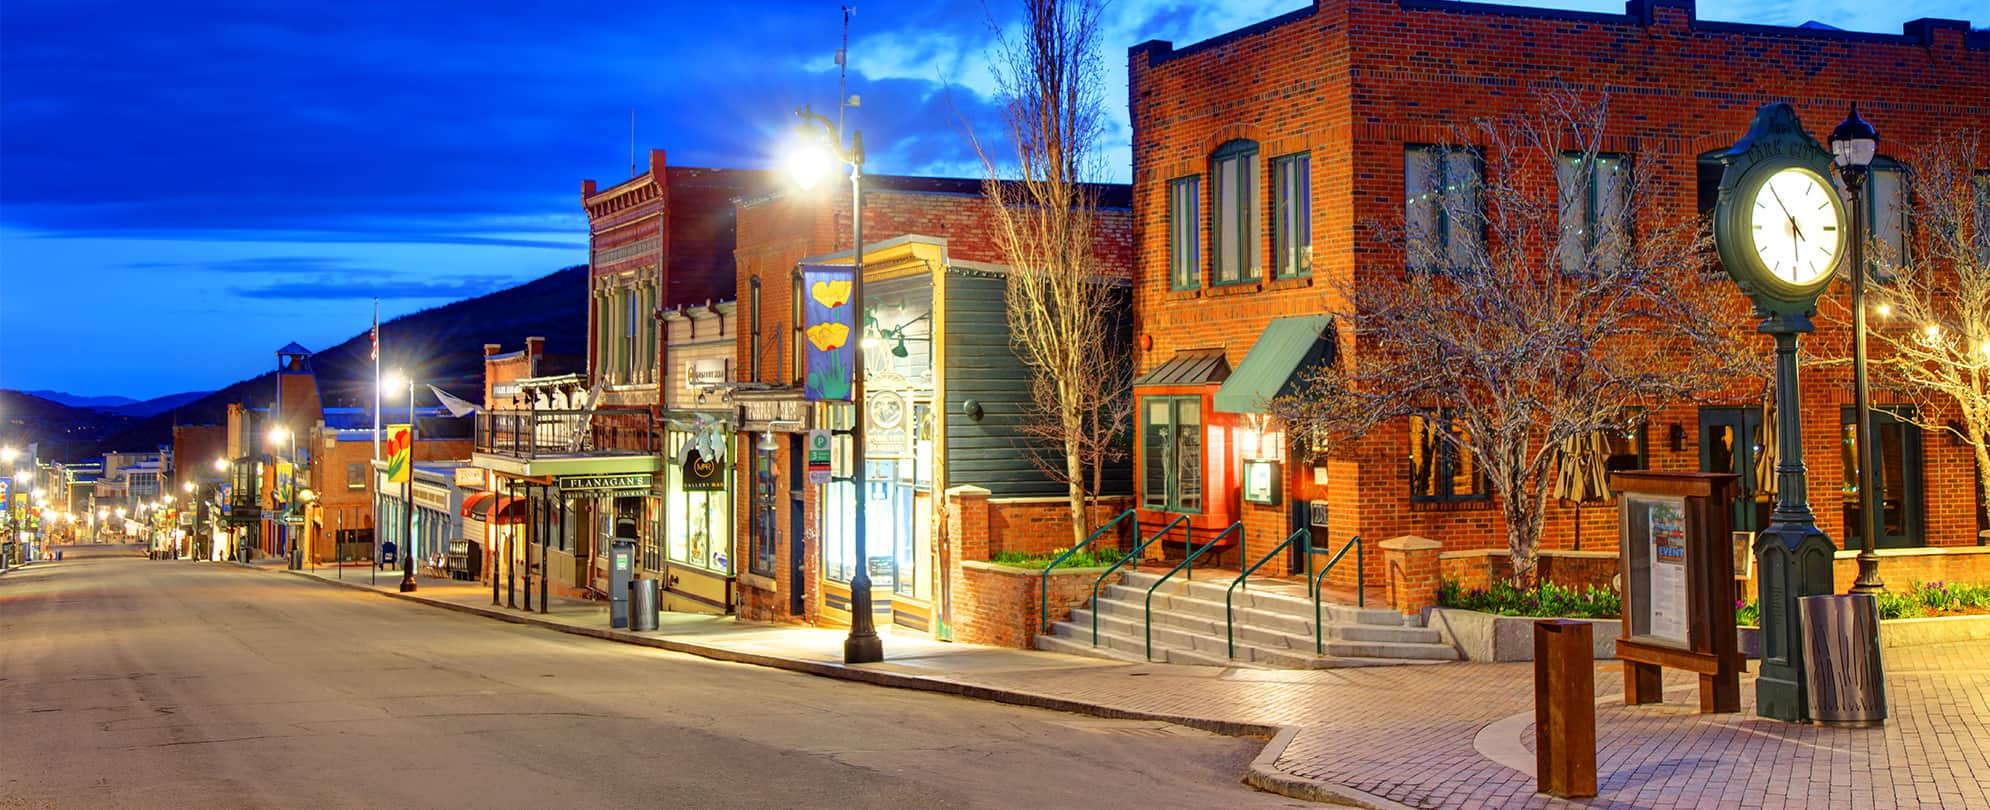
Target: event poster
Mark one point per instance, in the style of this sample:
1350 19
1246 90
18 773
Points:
829 322
1667 600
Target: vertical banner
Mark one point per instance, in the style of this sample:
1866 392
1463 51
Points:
286 478
829 321
399 459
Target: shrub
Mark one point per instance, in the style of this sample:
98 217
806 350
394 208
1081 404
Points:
1087 558
1915 601
1547 599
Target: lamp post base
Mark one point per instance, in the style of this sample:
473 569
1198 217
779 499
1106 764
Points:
407 586
1868 580
863 649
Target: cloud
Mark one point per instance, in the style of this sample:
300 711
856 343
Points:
338 288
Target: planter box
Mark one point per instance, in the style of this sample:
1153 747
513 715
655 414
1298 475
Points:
1001 605
1900 632
1489 637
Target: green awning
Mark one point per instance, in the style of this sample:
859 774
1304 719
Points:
1275 365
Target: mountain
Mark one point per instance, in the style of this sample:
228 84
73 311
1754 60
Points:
80 401
157 405
443 346
65 433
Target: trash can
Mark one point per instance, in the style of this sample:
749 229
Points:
643 597
1841 658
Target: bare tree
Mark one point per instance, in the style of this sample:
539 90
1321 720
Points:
1549 289
1929 311
1058 306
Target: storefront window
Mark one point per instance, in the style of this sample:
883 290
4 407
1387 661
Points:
697 509
766 488
1171 433
839 536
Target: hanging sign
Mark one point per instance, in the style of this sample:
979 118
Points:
820 456
700 474
887 426
601 486
829 321
704 371
474 478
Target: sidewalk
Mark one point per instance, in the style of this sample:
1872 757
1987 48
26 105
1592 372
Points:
1456 735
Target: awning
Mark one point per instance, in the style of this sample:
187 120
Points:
1193 367
1277 363
494 509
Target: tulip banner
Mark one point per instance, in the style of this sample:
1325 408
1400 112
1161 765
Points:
829 321
400 459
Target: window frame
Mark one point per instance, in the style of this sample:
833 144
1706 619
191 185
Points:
1980 185
1185 222
1445 472
1441 229
355 482
1913 477
1248 251
1170 499
1902 216
1588 164
1292 216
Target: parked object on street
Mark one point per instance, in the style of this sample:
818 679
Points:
1841 659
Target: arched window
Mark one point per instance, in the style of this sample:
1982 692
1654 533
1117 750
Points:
1236 229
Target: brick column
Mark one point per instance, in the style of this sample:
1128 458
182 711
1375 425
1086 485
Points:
1413 574
967 522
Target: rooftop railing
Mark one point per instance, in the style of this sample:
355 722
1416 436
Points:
548 433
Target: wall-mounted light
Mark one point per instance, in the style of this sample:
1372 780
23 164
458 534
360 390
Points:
972 409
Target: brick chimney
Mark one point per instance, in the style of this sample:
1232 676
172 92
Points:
534 347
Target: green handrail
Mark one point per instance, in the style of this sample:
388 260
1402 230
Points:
1189 563
1360 593
1229 622
1187 531
1043 609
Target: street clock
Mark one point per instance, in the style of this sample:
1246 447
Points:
1780 226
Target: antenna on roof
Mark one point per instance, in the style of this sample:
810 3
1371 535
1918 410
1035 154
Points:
843 69
632 142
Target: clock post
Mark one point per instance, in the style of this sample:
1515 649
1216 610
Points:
1752 223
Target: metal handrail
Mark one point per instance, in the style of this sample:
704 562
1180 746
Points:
1187 531
1043 609
1230 623
1189 563
1360 592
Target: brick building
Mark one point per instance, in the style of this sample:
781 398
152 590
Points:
957 481
1263 158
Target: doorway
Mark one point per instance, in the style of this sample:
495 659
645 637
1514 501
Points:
797 547
1730 442
1898 447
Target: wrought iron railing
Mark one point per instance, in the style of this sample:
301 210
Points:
536 433
1229 621
1044 606
1360 589
1188 534
1189 563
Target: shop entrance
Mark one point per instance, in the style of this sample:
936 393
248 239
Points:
1731 442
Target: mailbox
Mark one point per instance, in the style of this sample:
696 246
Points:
621 569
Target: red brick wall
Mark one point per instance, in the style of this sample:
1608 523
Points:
1038 525
1003 606
1354 81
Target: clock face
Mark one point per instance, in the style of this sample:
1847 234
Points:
1794 227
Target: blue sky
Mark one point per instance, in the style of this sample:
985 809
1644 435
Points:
186 186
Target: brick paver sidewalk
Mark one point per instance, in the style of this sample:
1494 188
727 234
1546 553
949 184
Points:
1454 735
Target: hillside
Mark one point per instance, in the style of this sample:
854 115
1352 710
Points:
444 346
65 433
157 405
80 401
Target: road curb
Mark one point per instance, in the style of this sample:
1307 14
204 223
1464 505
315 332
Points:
1262 774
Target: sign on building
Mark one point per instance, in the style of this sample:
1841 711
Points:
821 454
602 486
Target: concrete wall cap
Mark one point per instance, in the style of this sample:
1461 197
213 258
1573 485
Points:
1410 542
967 490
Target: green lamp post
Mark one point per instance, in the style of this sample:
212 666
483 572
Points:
1781 232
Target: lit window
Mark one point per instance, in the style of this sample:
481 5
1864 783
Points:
1185 233
1292 209
1235 173
1439 469
1595 207
1171 450
1441 215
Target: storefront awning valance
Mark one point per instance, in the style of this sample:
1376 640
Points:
494 509
1277 364
1195 367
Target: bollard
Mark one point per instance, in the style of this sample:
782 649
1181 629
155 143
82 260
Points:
1564 709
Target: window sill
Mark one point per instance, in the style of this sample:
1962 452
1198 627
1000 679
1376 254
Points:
1289 283
1238 288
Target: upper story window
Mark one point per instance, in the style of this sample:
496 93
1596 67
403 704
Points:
355 476
1292 215
1441 215
1234 169
1439 470
1185 233
1595 197
1886 212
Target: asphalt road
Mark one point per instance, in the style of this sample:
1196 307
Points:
126 682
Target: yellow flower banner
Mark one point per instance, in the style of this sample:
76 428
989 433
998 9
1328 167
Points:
829 320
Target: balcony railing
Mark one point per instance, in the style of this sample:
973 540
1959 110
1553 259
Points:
546 433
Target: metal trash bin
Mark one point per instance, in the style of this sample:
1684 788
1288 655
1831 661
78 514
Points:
643 598
1841 658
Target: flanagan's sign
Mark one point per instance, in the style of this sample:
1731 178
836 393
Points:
585 486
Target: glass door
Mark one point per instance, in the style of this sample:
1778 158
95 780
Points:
1898 446
1730 441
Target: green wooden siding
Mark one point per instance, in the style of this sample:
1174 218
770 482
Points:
981 365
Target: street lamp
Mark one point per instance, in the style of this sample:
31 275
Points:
820 147
1854 142
393 382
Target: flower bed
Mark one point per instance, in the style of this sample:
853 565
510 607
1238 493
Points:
1918 601
1546 600
1087 558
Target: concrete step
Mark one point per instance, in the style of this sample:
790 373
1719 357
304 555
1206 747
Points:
1135 600
1133 647
1252 644
1385 649
1270 596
